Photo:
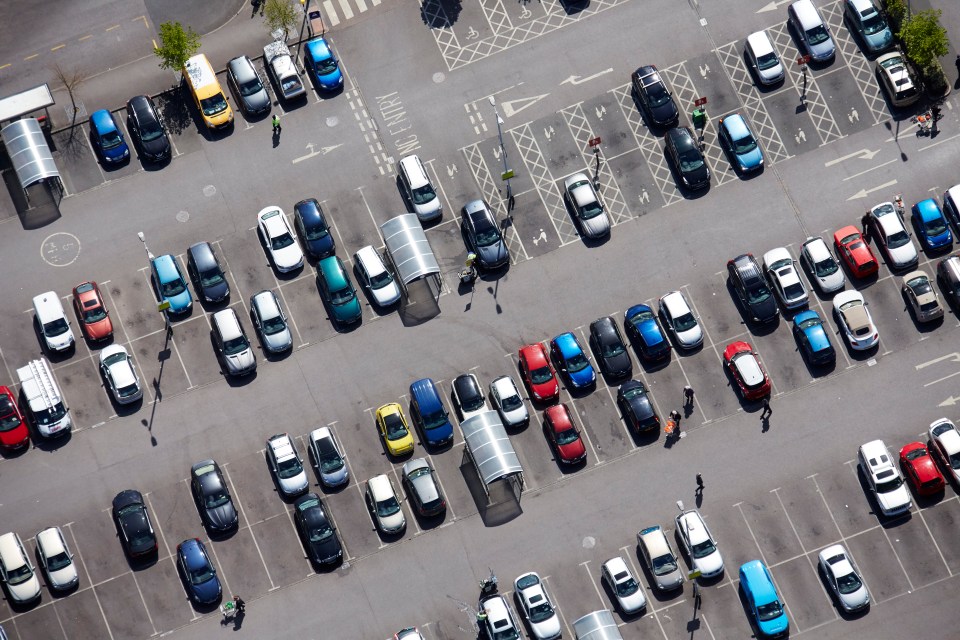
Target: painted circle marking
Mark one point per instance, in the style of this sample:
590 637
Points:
60 249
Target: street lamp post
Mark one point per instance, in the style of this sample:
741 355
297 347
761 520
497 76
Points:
144 241
503 152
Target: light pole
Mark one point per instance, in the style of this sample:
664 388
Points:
144 241
503 152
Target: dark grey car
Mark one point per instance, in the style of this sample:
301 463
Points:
483 235
147 129
212 496
247 86
685 155
610 348
206 273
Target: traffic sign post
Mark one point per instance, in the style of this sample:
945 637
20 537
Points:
699 115
802 62
595 145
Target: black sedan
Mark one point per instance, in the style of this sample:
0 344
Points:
317 533
212 496
661 110
687 159
634 402
133 524
312 226
147 129
610 348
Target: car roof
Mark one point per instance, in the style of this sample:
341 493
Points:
10 551
266 300
754 577
166 267
103 121
676 303
227 323
504 385
534 353
567 343
370 259
475 206
466 383
141 105
321 433
282 446
682 138
380 487
695 526
319 49
203 256
736 126
759 41
275 224
616 565
242 68
877 456
749 368
655 541
559 416
51 541
950 440
309 210
928 209
816 248
496 608
122 373
333 272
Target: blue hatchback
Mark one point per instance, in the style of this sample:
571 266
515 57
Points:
813 339
198 572
171 285
932 225
107 138
740 143
643 328
319 59
572 361
428 413
763 602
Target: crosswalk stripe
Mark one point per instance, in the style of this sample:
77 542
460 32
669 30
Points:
347 11
361 5
331 13
376 2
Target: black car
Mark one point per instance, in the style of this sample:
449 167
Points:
467 395
133 524
212 496
610 349
317 533
206 273
652 93
747 280
684 152
147 129
634 402
312 226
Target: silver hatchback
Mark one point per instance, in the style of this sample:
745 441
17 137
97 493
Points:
270 322
247 86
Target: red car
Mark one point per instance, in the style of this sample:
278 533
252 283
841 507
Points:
93 316
855 252
745 367
920 468
538 373
564 435
13 430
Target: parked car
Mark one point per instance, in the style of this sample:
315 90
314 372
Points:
812 30
625 588
270 322
328 458
854 319
52 323
418 188
753 292
56 561
683 151
384 506
766 610
843 578
892 237
919 292
747 370
429 414
633 398
133 524
231 343
813 339
375 277
510 406
212 497
698 543
948 273
883 479
609 346
763 58
199 574
658 105
422 486
207 274
589 211
320 61
740 143
317 532
644 329
93 315
146 127
571 361
14 433
286 466
311 224
854 252
563 434
468 398
107 139
680 320
823 268
932 225
393 429
16 570
921 470
945 440
170 285
536 606
280 65
867 22
337 291
483 235
659 557
498 621
893 72
537 372
781 270
117 369
279 239
247 87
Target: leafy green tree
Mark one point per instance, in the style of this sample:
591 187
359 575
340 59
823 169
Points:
925 41
896 12
177 45
281 14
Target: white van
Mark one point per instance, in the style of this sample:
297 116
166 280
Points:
812 30
53 322
44 402
418 188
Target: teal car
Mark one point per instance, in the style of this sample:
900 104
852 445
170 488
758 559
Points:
171 285
740 143
337 291
763 602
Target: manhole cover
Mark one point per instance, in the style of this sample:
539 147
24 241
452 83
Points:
60 249
589 542
439 77
183 216
333 121
209 191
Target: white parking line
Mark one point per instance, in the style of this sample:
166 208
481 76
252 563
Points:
236 498
83 565
173 340
595 587
626 549
144 601
133 351
752 535
372 219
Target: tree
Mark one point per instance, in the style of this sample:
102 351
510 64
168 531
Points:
177 45
71 79
896 12
281 14
925 41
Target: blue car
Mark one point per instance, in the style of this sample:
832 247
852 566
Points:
428 413
321 62
813 339
932 225
312 226
763 602
198 572
107 138
572 361
740 143
643 329
866 21
171 285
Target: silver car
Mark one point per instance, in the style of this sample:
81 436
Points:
247 86
270 322
659 558
56 559
698 542
286 465
509 404
328 457
120 374
422 487
483 235
232 344
891 234
764 58
843 578
919 291
680 321
821 265
583 199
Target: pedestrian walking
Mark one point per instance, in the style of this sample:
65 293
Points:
276 124
865 223
699 491
239 604
958 63
688 396
767 411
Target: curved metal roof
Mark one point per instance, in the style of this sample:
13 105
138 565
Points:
490 446
409 248
29 152
599 625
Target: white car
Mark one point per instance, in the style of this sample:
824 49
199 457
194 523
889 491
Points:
375 277
116 365
56 559
680 321
890 233
843 578
536 607
698 543
286 465
591 216
500 623
855 321
625 588
468 396
784 278
382 501
946 444
764 58
328 458
922 296
280 240
659 558
509 404
270 322
821 265
16 571
280 64
883 478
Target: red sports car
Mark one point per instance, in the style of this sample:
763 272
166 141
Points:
855 252
13 430
88 304
920 468
745 367
537 372
563 434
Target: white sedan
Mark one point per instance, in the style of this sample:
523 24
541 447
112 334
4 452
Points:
782 272
375 277
280 240
698 543
891 235
843 578
586 205
821 265
536 607
946 444
625 588
508 401
56 559
680 320
855 321
116 365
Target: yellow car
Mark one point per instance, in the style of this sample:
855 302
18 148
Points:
394 430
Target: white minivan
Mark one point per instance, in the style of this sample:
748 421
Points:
53 322
45 404
418 188
812 30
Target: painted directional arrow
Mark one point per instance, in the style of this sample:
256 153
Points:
949 402
863 154
951 357
327 150
580 79
772 6
513 107
863 193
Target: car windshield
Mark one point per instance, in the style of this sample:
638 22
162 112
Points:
809 323
211 277
541 612
638 319
59 561
472 403
703 549
129 390
281 241
541 375
56 327
898 239
341 296
215 500
890 485
111 140
567 436
114 358
94 315
758 294
793 291
955 460
627 587
826 267
289 468
662 565
487 235
817 35
917 453
874 24
201 575
18 575
380 280
235 346
150 130
320 533
658 95
327 66
291 84
8 417
54 414
213 105
935 227
388 507
316 232
612 349
424 195
591 210
330 461
685 322
746 144
848 583
251 87
769 611
173 288
635 392
767 61
273 325
511 403
394 427
577 363
435 420
505 634
690 160
920 285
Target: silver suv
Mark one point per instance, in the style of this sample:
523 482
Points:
232 344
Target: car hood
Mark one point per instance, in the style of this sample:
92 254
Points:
903 255
765 309
752 159
494 254
289 257
331 80
100 329
573 450
25 591
208 591
181 302
775 626
217 292
549 628
222 517
326 550
335 478
242 362
880 40
117 152
691 337
670 580
856 600
156 148
440 434
321 247
257 102
279 341
832 282
823 51
386 296
63 578
61 341
294 485
772 74
665 113
634 601
596 226
517 416
894 499
347 312
698 178
710 565
583 377
394 522
619 363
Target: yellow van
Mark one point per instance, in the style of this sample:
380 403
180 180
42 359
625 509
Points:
206 92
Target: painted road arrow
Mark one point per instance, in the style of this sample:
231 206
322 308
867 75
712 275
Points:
772 6
513 107
580 79
863 193
863 154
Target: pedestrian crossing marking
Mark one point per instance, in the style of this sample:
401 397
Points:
347 11
331 13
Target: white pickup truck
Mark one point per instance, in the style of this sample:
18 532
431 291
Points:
280 65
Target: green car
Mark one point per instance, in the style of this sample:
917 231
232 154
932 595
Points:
337 291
